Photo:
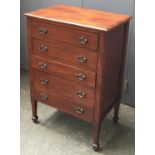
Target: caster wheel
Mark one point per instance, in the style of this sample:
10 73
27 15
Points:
96 147
35 119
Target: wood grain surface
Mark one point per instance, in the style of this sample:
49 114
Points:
65 52
64 70
70 36
90 18
64 87
63 104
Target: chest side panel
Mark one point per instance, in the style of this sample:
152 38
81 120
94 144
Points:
113 56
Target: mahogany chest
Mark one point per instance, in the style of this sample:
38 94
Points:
76 61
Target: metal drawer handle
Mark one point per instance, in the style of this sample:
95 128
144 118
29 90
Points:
42 65
44 81
83 40
44 96
80 76
42 30
79 110
43 48
80 94
82 58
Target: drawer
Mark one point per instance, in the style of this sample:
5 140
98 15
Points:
66 52
67 35
61 103
72 90
63 70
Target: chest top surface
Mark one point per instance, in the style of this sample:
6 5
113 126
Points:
88 18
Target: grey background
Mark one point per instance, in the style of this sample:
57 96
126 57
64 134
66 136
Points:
119 6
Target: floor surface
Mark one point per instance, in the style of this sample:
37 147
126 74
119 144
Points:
61 134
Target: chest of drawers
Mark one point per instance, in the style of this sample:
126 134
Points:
76 62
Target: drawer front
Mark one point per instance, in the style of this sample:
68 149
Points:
63 70
66 35
73 91
60 102
69 53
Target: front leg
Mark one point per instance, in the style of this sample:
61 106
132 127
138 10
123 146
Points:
96 134
34 111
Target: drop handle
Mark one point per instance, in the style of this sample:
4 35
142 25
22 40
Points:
80 94
80 76
42 65
82 58
43 48
44 96
83 40
79 110
44 81
42 31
